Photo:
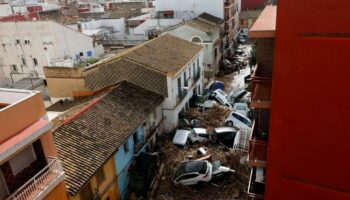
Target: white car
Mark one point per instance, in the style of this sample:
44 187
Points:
221 97
241 108
193 172
239 121
184 136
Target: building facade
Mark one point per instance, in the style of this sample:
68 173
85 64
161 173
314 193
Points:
207 34
228 10
29 46
167 65
107 146
263 33
307 151
29 167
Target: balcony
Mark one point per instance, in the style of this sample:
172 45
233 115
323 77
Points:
261 90
42 183
181 95
257 153
256 187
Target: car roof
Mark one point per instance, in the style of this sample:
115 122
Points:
225 129
200 130
181 136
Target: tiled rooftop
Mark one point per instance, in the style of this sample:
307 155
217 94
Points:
166 54
86 141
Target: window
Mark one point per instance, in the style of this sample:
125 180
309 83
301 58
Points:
198 63
22 160
194 69
185 77
81 54
35 61
86 193
126 147
196 40
24 62
188 176
100 175
135 138
14 68
18 41
26 42
179 85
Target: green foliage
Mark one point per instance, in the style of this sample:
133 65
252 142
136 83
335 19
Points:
252 60
87 62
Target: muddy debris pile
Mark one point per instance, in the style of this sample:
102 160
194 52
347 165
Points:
231 187
212 118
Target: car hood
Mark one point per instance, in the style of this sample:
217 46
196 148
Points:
181 137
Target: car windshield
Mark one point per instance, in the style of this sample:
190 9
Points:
240 108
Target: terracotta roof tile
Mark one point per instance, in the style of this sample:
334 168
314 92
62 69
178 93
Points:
89 140
167 54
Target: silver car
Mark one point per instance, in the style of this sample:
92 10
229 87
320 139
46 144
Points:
195 136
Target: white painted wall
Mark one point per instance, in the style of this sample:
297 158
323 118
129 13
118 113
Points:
213 7
2 77
46 41
171 106
5 10
154 24
187 33
117 24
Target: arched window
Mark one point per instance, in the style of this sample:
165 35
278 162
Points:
196 40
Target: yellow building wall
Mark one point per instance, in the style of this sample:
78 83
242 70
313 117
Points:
109 187
64 87
58 193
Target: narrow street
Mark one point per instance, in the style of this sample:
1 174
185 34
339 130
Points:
235 81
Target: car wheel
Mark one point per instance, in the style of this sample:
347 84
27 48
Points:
229 123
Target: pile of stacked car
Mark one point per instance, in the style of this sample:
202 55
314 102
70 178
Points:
234 134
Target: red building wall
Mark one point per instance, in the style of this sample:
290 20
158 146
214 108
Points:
309 139
252 4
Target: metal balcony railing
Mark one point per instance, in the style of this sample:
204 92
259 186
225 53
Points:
257 153
32 188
